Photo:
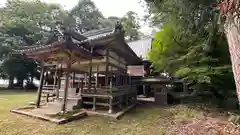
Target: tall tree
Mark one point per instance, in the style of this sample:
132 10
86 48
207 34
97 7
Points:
109 22
87 15
26 23
187 44
131 25
230 15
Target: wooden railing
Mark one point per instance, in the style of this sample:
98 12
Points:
110 91
49 88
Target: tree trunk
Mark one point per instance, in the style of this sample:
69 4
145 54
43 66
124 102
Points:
20 83
233 37
31 79
10 82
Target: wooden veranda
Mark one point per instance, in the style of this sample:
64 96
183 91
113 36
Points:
90 69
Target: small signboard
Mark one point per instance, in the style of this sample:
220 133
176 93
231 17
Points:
136 70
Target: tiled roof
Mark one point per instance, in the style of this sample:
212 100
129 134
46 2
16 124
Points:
141 47
96 33
89 36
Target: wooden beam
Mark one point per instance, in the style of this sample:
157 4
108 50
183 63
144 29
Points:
40 86
66 86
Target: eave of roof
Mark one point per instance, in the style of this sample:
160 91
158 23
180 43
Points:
92 38
86 40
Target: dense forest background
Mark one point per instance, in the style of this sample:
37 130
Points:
26 23
192 44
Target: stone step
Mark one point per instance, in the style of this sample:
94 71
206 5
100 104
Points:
72 104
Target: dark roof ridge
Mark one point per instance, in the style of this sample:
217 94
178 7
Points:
96 32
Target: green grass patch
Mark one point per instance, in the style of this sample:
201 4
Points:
143 120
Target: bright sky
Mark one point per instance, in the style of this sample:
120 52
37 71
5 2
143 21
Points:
108 8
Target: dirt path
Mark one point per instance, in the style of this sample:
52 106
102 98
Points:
207 126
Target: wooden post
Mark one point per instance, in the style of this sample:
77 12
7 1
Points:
90 72
85 80
185 89
111 81
59 81
40 87
144 90
110 105
81 86
120 80
117 79
107 66
55 89
121 102
55 78
47 97
127 99
66 86
46 78
129 80
97 75
73 79
94 104
126 79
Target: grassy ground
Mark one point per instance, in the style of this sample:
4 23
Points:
144 120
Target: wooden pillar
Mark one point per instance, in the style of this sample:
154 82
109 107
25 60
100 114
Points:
144 90
55 82
126 79
66 85
47 97
46 78
123 79
97 75
107 66
73 79
81 88
55 77
85 80
110 105
90 72
129 80
94 104
121 102
40 86
111 81
59 81
117 79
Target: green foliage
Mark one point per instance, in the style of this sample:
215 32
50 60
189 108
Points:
191 45
88 15
26 23
131 25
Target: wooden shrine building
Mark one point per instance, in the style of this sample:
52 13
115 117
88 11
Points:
90 69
